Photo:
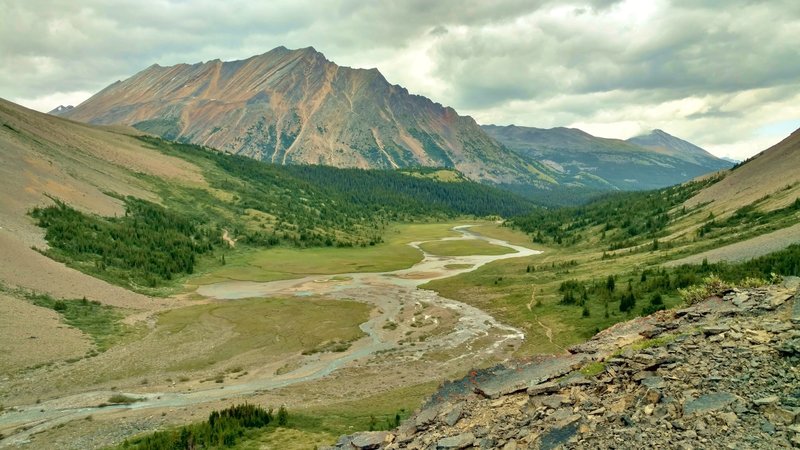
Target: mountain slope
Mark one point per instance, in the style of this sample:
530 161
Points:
770 178
295 106
581 159
659 140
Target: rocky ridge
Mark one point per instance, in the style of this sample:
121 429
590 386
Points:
297 107
722 374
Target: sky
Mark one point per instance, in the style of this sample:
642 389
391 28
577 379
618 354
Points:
723 74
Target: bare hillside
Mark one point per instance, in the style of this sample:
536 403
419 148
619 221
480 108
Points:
773 172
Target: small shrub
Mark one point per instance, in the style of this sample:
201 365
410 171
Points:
121 399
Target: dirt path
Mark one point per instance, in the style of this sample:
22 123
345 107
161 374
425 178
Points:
749 249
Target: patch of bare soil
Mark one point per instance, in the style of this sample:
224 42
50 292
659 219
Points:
35 336
745 250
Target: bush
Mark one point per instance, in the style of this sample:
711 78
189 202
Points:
711 286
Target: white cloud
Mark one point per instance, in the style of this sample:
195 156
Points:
715 73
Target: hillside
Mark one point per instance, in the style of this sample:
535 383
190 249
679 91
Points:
770 179
296 107
101 172
580 159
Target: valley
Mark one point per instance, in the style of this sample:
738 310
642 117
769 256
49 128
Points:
220 355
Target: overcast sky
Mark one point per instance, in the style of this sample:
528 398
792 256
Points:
723 74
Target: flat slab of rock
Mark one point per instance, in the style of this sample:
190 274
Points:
461 441
557 436
530 374
796 311
369 440
543 388
711 330
771 400
709 402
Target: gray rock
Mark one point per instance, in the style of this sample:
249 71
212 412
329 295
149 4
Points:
796 311
425 417
454 415
715 329
370 440
557 436
554 401
771 400
543 388
461 441
709 402
654 382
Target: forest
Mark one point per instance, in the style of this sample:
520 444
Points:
149 244
645 290
262 206
222 429
625 218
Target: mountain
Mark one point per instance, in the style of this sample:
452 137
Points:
61 110
661 141
580 159
296 107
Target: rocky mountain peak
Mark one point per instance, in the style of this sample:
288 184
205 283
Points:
61 109
297 107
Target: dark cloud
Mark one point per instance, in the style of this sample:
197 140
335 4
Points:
694 67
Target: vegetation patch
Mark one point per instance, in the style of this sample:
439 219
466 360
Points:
100 322
121 399
146 247
223 429
275 327
464 247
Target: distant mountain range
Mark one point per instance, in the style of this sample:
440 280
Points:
296 107
649 161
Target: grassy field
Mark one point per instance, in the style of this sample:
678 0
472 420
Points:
464 248
508 234
524 292
286 263
275 327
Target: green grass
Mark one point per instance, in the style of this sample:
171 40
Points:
287 263
464 247
530 300
100 322
319 426
274 327
505 233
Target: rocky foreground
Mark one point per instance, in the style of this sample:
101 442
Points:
722 374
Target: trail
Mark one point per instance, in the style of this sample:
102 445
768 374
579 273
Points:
388 292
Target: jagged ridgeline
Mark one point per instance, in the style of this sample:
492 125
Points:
259 205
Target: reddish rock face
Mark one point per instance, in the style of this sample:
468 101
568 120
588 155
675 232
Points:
295 106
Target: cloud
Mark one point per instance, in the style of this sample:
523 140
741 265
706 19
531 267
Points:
716 73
